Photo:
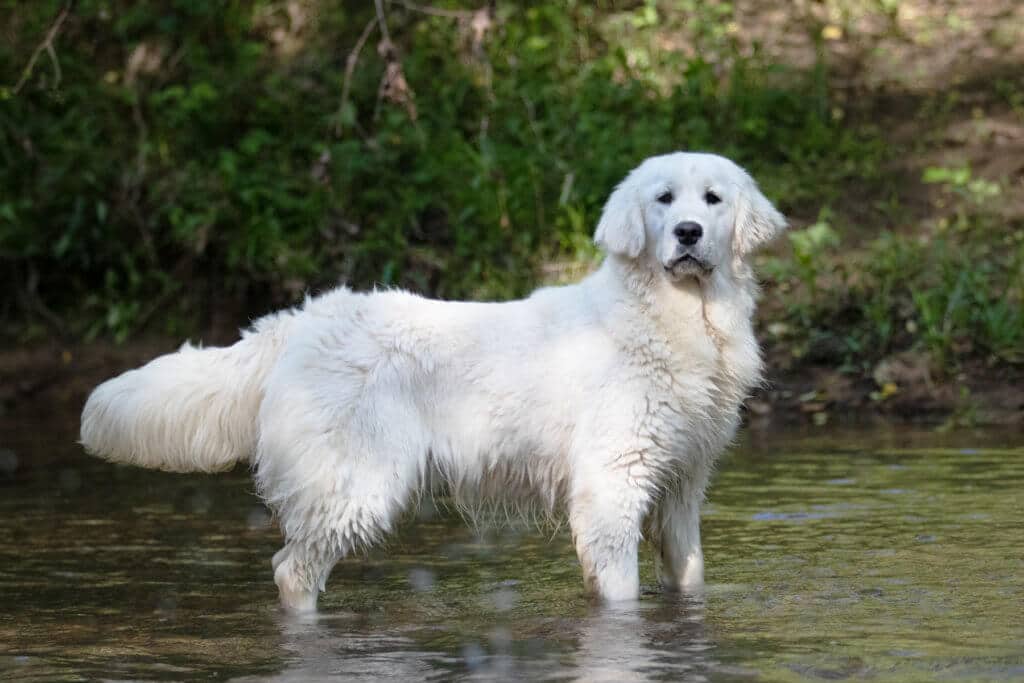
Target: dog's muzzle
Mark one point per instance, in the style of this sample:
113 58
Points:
688 264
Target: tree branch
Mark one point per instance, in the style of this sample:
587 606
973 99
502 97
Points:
350 67
384 34
393 85
45 46
435 11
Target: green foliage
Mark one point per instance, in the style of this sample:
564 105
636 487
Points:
950 295
809 247
191 154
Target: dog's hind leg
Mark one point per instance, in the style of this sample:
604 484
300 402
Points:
301 568
337 480
300 572
336 515
278 558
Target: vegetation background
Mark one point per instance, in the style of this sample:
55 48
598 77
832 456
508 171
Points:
174 168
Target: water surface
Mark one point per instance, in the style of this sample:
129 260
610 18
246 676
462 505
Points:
840 555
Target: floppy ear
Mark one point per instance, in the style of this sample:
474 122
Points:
757 221
621 228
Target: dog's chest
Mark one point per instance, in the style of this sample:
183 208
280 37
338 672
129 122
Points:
694 392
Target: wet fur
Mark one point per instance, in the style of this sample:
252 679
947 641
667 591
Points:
608 400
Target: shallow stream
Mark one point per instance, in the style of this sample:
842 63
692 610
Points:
893 555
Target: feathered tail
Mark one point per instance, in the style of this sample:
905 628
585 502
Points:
190 411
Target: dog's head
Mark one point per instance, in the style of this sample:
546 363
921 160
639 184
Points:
687 214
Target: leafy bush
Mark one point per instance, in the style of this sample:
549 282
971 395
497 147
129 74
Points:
950 294
195 153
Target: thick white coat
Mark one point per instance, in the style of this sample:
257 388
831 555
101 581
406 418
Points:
609 399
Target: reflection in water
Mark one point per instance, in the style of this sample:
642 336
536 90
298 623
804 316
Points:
637 642
886 561
323 647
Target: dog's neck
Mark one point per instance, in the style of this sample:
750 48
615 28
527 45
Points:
723 302
721 306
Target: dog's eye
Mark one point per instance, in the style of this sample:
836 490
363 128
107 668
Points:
711 198
665 197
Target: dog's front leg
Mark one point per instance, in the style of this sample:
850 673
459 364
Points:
606 515
682 559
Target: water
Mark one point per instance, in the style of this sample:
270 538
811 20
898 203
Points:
856 555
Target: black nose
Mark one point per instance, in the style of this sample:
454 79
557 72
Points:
688 233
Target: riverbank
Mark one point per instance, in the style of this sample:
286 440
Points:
891 135
54 379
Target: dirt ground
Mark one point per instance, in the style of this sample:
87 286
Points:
944 81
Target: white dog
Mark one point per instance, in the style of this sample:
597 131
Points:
609 399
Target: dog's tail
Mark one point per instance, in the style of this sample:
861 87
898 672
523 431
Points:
190 411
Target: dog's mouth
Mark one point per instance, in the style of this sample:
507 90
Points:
688 264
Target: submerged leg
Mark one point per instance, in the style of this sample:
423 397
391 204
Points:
606 516
682 559
300 573
327 521
334 487
278 557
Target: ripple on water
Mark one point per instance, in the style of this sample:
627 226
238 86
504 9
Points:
895 564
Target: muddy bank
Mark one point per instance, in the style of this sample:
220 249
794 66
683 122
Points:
51 379
898 391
